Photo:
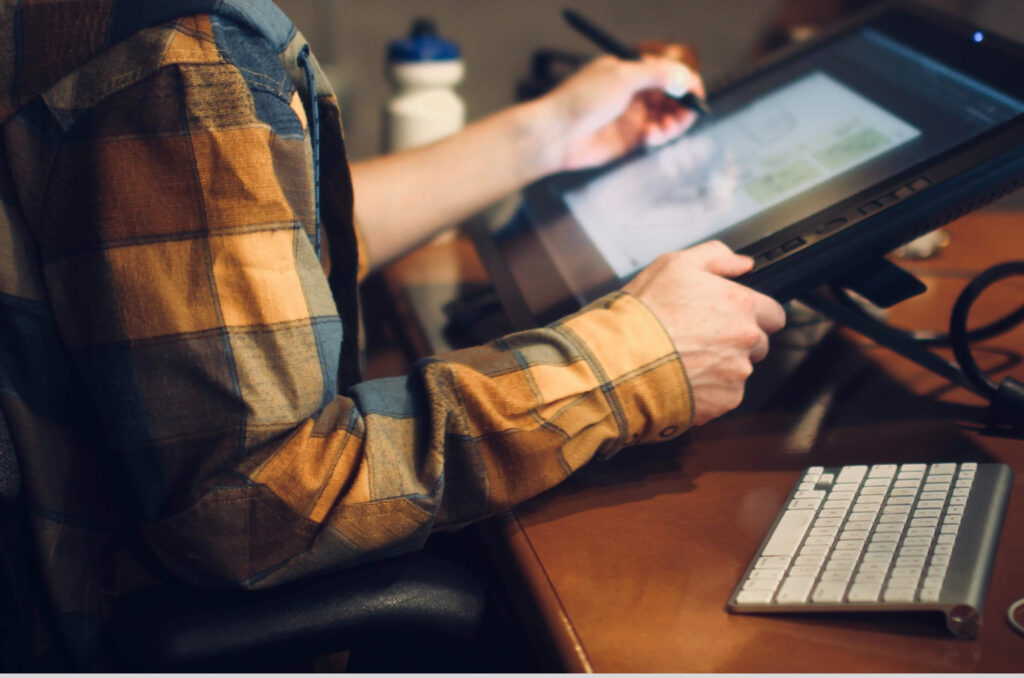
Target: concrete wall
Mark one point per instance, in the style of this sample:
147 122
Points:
498 38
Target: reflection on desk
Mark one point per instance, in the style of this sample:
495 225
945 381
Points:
627 566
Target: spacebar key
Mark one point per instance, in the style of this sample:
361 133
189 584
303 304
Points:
788 533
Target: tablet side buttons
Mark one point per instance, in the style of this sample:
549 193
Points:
831 225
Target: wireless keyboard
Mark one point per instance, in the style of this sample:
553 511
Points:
908 537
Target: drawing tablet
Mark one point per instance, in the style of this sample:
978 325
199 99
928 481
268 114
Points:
816 163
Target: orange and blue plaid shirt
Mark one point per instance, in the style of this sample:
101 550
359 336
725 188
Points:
179 367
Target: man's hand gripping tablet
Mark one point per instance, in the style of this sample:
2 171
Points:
720 328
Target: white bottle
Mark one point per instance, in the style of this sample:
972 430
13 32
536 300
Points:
425 107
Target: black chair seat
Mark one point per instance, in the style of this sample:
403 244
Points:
410 599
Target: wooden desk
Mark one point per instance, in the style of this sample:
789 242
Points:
627 566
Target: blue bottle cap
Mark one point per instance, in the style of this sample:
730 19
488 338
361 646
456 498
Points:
422 44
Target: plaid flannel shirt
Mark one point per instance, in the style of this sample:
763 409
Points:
177 366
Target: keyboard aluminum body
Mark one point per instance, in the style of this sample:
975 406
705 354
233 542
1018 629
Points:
888 537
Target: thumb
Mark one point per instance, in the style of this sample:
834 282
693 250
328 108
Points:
715 257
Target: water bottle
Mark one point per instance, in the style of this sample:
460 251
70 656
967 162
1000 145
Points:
425 107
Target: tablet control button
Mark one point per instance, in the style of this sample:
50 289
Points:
774 253
793 244
871 207
904 192
831 225
920 184
888 199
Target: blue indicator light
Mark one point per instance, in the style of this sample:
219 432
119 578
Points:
978 36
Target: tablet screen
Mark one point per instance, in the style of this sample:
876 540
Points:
804 137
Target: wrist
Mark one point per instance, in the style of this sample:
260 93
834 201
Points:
541 134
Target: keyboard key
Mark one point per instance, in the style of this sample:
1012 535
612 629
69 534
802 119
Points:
809 560
874 567
811 541
835 575
867 593
849 545
772 562
841 566
885 536
774 574
754 597
930 595
795 589
920 531
869 577
829 592
882 547
899 595
852 474
814 550
788 532
804 570
881 470
828 522
760 585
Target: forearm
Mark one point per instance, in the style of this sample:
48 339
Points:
405 198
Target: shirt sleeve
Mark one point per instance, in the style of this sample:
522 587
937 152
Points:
176 239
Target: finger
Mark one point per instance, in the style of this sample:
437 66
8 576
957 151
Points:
715 257
700 255
760 349
669 126
729 265
770 315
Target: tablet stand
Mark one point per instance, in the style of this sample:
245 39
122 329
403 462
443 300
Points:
884 284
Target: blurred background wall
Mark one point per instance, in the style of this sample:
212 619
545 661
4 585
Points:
499 37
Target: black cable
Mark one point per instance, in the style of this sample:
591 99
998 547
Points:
958 334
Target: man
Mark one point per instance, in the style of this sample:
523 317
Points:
178 285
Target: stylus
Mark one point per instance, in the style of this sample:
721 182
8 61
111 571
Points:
616 48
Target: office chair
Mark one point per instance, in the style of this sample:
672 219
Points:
409 601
